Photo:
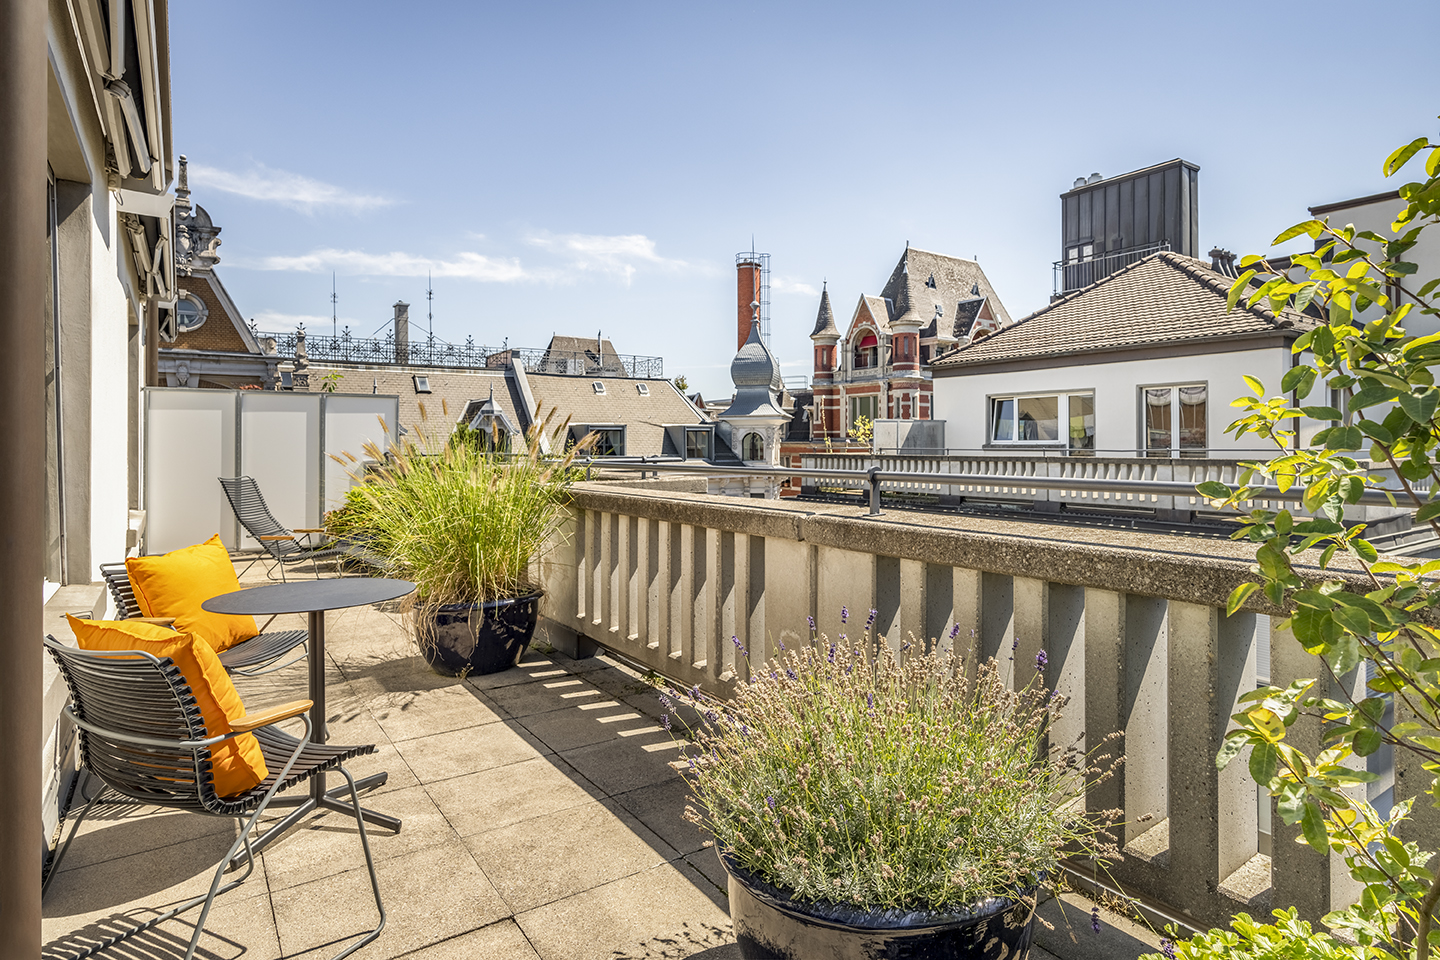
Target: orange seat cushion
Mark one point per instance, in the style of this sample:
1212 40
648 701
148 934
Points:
176 583
237 763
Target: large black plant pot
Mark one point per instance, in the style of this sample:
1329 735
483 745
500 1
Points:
465 638
769 925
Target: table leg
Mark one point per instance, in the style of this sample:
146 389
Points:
318 733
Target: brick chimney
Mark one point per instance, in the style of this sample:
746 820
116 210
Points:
747 294
402 332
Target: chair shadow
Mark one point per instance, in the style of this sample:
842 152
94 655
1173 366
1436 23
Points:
166 941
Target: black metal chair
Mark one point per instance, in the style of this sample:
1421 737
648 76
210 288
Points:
261 654
142 734
279 542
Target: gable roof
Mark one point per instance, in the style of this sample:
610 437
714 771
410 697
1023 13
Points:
955 280
1161 299
878 311
644 415
596 355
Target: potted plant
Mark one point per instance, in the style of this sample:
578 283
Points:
869 803
464 521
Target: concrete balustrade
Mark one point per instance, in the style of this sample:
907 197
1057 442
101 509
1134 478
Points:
1133 625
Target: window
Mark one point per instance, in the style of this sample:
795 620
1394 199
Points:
641 388
867 352
867 406
598 386
697 444
1173 420
752 447
1080 253
422 384
1038 420
609 438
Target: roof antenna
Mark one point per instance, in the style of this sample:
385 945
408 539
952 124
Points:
334 299
429 307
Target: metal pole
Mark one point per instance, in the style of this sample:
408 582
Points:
874 473
23 264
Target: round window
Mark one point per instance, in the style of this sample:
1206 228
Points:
189 314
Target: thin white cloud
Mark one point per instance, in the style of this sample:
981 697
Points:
468 266
617 255
292 190
565 257
780 284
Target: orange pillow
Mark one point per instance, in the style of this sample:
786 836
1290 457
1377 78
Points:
237 763
176 583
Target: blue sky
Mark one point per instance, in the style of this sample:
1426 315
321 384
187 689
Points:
574 168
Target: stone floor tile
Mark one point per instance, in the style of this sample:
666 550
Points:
141 884
459 752
619 766
661 807
327 843
399 671
405 715
582 724
499 797
1063 928
618 683
531 665
706 863
499 941
119 830
234 929
545 694
430 895
549 858
656 913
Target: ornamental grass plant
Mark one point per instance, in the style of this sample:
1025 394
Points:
462 521
848 774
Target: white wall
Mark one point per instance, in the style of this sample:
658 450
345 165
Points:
109 394
1425 254
963 401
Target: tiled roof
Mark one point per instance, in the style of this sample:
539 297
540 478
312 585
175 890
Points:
954 280
1164 298
644 415
879 311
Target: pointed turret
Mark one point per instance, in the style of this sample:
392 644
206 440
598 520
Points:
825 328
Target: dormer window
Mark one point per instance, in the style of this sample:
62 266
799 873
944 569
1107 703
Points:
598 386
931 282
643 389
422 383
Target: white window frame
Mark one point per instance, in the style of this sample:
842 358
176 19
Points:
709 435
1062 399
422 382
579 432
1175 451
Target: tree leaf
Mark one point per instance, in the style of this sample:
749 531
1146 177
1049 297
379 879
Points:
1352 619
1420 407
1428 512
1213 489
1255 385
1264 763
1312 227
1398 159
1366 742
1267 723
1312 824
1238 596
1321 413
1230 749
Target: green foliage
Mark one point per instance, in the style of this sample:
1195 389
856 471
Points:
1288 938
681 383
1384 434
863 431
462 522
854 777
331 381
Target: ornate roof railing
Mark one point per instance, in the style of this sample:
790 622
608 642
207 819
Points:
438 353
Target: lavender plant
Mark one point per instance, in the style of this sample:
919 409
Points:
857 777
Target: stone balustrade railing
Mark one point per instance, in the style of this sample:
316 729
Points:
1007 474
1133 625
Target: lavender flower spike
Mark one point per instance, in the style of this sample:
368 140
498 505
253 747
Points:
1167 947
955 631
1041 661
870 620
844 613
1095 919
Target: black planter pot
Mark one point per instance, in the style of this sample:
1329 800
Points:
465 638
769 925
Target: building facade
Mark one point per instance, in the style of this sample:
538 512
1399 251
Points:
879 367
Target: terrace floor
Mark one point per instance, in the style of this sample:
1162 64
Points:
542 821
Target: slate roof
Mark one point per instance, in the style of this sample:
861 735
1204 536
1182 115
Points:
644 416
954 279
599 356
825 318
1165 298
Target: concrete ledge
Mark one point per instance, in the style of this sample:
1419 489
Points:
1198 570
58 760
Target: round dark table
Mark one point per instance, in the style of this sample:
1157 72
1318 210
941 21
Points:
314 597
